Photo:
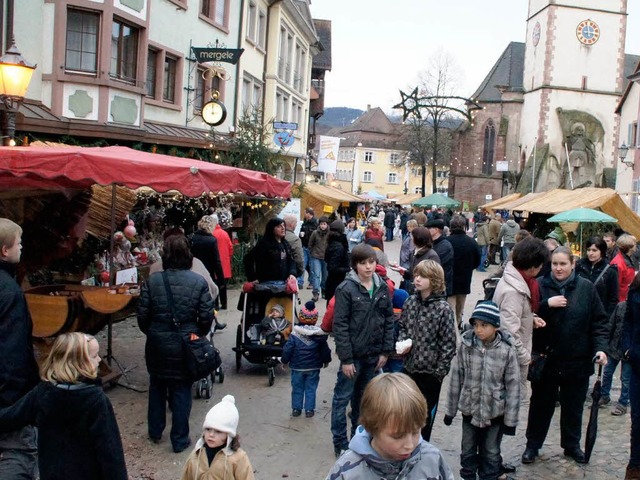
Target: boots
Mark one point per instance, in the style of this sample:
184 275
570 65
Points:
633 473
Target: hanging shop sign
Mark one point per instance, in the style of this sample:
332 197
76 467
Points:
210 54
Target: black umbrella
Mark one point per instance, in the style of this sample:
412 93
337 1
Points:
592 427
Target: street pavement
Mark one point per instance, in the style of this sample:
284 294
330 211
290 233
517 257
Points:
280 446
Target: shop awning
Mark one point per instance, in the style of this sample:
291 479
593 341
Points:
406 199
603 199
317 196
515 204
81 167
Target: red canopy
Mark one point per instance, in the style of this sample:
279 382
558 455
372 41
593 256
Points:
81 167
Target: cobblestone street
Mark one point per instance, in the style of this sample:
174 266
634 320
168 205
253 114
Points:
281 446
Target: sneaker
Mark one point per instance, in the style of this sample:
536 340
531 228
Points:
296 412
309 287
309 413
315 297
618 410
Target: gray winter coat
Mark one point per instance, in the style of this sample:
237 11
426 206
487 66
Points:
362 462
508 232
485 380
362 325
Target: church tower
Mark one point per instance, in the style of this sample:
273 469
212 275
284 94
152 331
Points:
573 77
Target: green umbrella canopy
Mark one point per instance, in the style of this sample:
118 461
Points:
582 215
436 200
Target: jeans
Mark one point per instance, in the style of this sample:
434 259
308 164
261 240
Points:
506 250
634 395
318 274
607 379
178 394
349 389
307 256
483 257
388 233
19 454
393 365
480 451
304 384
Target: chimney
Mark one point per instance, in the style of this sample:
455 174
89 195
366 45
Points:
368 107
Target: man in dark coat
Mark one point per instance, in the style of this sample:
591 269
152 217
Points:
18 368
467 255
444 250
389 223
309 225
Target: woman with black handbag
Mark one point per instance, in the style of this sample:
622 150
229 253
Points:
576 331
167 362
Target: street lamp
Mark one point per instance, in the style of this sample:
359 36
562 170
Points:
15 76
622 153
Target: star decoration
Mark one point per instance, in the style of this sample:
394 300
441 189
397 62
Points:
410 104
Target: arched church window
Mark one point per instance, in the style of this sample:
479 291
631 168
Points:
489 148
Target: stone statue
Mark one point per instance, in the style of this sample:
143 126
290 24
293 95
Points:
582 155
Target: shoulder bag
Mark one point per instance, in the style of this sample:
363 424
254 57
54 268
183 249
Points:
201 357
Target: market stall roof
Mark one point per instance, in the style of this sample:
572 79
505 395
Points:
436 200
497 203
406 199
81 167
515 204
373 195
318 196
604 199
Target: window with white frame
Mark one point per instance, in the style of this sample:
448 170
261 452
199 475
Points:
346 155
443 190
344 175
442 174
368 157
367 176
285 54
256 25
81 50
215 11
251 93
282 106
392 177
296 112
394 158
417 190
163 77
632 138
300 67
416 171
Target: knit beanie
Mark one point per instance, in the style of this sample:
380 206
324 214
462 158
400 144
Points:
487 312
223 417
337 226
308 314
399 297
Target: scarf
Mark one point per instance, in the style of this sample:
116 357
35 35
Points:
561 284
532 283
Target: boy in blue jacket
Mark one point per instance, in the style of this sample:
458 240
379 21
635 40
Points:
306 352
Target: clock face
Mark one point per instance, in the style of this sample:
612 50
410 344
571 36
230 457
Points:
214 113
588 32
535 35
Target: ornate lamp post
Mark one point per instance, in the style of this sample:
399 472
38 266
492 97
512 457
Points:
15 76
434 107
622 153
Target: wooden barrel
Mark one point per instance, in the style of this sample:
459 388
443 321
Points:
57 309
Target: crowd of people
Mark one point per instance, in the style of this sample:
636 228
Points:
533 344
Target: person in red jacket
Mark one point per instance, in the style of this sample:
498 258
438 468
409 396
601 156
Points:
375 230
626 272
225 249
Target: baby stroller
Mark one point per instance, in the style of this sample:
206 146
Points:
204 386
489 285
250 342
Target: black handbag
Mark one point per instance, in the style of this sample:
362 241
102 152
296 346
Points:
201 357
536 367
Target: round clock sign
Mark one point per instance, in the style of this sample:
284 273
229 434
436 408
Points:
535 35
588 32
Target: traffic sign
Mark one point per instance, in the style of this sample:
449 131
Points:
283 139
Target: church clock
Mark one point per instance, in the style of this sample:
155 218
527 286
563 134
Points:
588 32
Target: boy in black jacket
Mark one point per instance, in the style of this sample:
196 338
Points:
363 330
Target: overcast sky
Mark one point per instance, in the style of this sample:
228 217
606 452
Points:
380 46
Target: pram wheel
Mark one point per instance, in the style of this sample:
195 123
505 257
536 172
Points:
203 388
219 373
272 375
238 348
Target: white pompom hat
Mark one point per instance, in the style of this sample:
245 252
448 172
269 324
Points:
223 417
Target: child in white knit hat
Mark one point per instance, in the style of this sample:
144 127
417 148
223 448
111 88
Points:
218 453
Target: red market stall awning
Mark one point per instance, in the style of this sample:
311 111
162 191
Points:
81 167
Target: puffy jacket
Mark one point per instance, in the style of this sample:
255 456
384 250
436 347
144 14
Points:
227 464
362 462
193 309
270 260
513 297
18 368
508 232
483 234
362 324
494 231
485 380
306 349
78 436
429 323
626 274
406 252
205 247
573 333
607 286
466 254
354 237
